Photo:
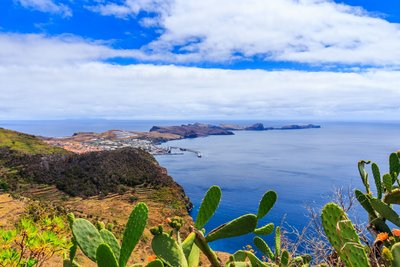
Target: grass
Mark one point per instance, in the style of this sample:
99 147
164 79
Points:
26 143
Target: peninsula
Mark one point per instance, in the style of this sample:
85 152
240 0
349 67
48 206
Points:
84 142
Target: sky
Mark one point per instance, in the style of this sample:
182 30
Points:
208 59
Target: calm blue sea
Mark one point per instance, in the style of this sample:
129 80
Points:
302 166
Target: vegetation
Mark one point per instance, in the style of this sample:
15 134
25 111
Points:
25 143
33 242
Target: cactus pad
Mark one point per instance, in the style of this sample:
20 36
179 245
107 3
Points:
87 237
155 263
277 241
110 240
105 257
396 254
388 181
365 202
133 231
392 197
237 227
285 258
264 248
267 202
364 174
377 177
208 206
354 255
394 165
331 215
168 250
265 230
385 211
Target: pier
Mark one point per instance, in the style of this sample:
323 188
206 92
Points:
197 153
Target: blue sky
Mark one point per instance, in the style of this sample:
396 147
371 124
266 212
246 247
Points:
183 59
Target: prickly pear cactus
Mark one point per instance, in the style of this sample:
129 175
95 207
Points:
155 263
168 250
264 248
277 241
396 254
87 237
343 237
387 182
377 177
392 197
267 202
285 257
265 230
385 211
105 257
208 206
133 231
364 174
237 227
353 255
111 240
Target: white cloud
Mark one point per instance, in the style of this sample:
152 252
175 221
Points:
57 77
306 31
130 7
48 6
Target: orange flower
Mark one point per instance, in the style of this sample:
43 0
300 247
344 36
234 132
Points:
168 220
382 236
151 258
396 232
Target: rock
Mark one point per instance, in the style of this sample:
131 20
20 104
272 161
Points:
256 127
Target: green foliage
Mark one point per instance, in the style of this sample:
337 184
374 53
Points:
265 230
27 144
33 243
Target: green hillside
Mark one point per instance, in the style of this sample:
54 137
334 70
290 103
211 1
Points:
26 143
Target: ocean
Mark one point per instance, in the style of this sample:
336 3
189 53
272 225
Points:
302 166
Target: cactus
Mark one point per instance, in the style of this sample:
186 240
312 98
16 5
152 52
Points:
237 227
365 201
87 237
208 206
264 248
105 257
155 263
133 231
265 230
277 241
387 182
394 166
94 242
396 254
364 174
285 257
343 237
353 255
377 177
392 197
168 250
110 240
267 202
385 211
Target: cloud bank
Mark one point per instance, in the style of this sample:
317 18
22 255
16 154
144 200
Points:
305 31
40 82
